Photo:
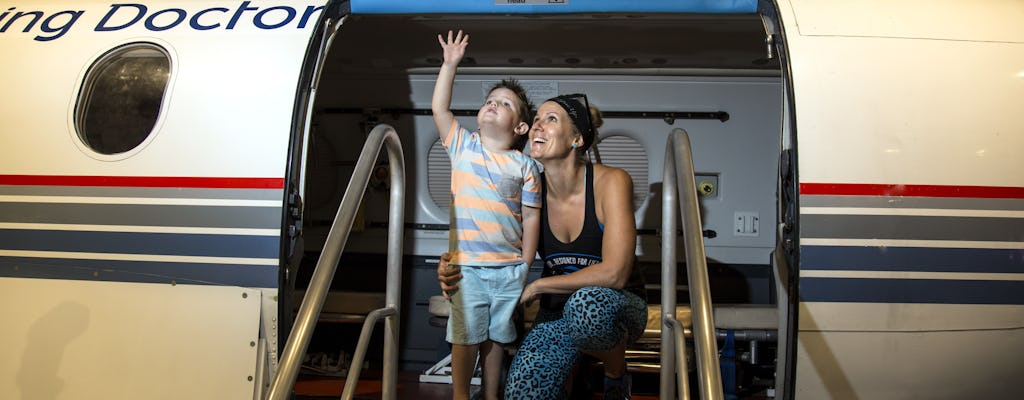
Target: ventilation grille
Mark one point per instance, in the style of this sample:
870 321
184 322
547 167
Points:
439 172
626 153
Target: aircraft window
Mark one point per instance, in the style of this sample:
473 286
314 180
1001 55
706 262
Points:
626 153
439 171
121 97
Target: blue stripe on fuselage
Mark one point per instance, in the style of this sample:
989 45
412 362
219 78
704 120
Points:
916 259
883 289
177 244
265 276
936 291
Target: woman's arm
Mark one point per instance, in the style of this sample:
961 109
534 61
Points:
613 195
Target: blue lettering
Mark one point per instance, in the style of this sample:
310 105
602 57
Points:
258 21
102 26
238 14
36 15
4 15
48 27
309 13
153 27
194 22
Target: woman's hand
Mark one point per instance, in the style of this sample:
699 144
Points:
530 295
447 276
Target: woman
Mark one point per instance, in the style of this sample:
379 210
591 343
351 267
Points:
592 300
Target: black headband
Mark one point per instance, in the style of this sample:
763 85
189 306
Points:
578 108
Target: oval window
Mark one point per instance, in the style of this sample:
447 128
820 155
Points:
121 98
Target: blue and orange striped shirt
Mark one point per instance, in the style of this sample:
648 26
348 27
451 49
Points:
489 190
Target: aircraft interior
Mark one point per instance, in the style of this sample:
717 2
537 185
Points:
713 76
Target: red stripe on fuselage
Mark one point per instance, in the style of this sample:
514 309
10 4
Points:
863 189
143 181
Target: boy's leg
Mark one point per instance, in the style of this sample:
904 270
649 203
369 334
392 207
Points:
467 324
463 365
492 358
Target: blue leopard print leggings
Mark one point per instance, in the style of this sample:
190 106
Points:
595 318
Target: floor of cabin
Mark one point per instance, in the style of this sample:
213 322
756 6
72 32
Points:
312 387
315 387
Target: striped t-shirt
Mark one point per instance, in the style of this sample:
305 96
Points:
489 190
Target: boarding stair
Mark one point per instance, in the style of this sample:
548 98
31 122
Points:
310 311
670 324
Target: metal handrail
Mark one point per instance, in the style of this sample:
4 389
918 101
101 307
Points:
320 283
678 334
679 163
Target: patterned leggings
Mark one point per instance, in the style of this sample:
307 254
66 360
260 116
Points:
595 318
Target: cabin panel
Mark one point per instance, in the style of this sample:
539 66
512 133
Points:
97 340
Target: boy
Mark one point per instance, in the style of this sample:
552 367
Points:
494 219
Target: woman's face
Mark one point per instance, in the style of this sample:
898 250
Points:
552 133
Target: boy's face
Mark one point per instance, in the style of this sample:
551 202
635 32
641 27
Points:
500 110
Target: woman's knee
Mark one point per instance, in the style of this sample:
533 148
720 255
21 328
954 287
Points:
593 315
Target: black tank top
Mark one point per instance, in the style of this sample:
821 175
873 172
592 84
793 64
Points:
565 258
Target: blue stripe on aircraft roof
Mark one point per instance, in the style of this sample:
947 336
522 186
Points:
551 6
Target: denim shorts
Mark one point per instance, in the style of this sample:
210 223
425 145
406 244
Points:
483 306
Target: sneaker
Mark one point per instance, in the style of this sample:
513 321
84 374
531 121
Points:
616 389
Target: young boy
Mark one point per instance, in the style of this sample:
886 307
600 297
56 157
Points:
494 219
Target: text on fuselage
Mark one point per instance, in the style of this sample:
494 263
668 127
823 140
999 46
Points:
53 25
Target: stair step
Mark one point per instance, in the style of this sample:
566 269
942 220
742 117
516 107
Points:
727 316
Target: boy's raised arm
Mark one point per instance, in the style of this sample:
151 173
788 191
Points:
454 49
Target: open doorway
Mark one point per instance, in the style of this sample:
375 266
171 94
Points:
712 75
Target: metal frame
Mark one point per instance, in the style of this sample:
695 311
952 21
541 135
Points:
679 164
320 283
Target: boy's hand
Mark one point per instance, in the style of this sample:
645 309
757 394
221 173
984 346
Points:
448 277
454 48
